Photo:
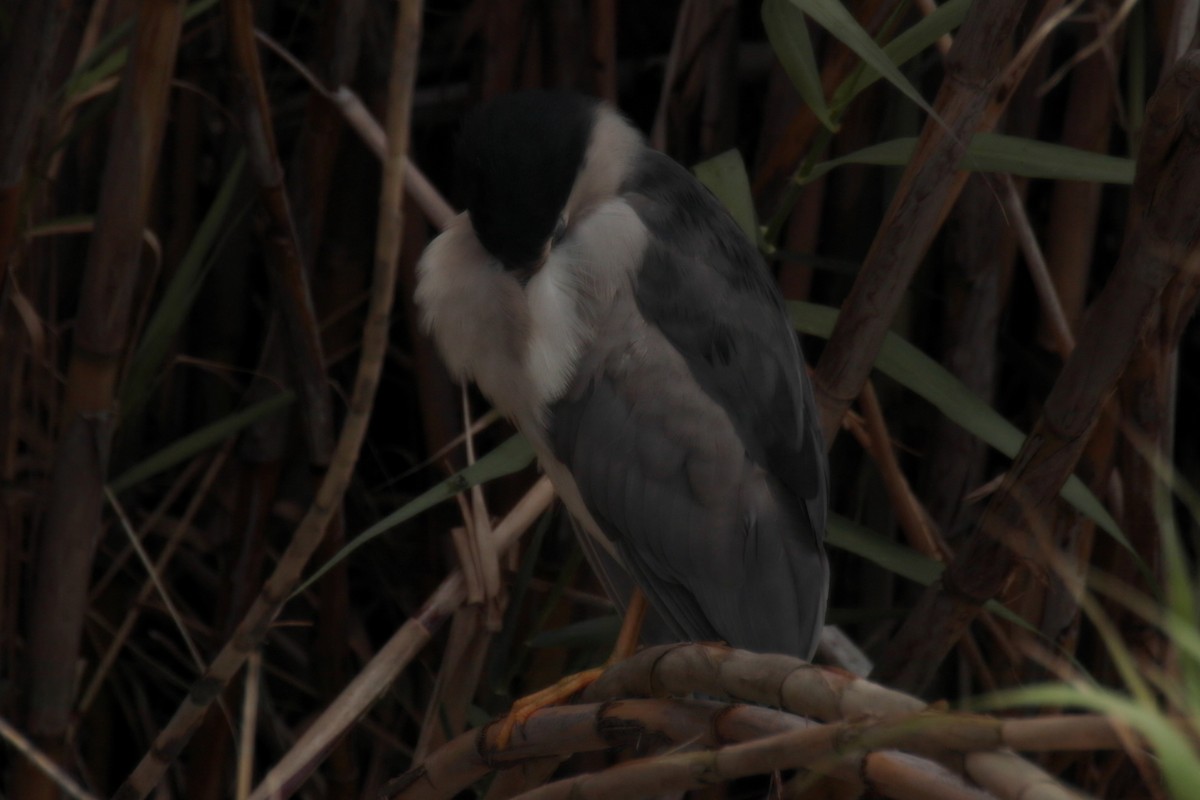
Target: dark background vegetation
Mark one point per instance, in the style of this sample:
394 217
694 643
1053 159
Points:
155 300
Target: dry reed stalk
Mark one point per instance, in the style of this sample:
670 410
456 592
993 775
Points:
31 40
1161 245
71 528
756 740
981 253
1148 392
981 77
289 278
504 26
602 48
313 162
250 631
1054 318
375 678
654 727
38 760
911 516
1181 30
1075 205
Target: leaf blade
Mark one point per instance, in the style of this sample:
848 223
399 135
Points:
787 31
994 152
907 365
726 177
833 16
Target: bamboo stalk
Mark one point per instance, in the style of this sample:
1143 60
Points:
66 546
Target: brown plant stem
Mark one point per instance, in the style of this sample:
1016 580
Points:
1075 205
312 189
771 738
40 761
251 630
648 727
982 253
289 279
981 77
65 550
602 48
30 41
375 678
1161 244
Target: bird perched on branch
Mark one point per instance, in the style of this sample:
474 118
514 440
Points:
606 302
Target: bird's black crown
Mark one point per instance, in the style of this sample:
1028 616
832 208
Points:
517 160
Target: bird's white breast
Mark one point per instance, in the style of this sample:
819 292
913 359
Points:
598 258
557 331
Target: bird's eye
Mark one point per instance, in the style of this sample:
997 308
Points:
560 230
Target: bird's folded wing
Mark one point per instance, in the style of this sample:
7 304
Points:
706 288
720 546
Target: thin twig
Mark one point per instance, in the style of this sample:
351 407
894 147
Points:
43 762
155 578
286 269
945 41
375 678
360 119
1103 38
1052 306
245 763
121 635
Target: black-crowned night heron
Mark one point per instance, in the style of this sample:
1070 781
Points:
607 303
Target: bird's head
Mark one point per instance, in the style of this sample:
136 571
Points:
540 174
528 162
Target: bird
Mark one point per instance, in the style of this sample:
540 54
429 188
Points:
605 301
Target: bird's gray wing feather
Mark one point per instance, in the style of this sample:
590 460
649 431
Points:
704 285
716 542
618 584
689 430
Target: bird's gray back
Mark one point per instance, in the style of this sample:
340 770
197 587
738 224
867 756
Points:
687 432
705 286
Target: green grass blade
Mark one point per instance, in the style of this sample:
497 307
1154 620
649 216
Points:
108 56
995 152
594 632
513 455
1177 758
725 176
1181 587
199 441
177 299
908 366
899 559
788 31
834 17
907 45
891 555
